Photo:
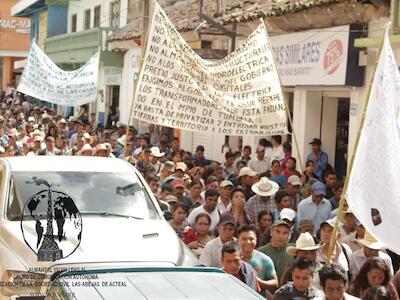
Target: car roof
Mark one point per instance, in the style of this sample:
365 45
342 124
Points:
158 283
67 164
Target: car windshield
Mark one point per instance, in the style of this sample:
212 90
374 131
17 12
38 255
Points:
89 193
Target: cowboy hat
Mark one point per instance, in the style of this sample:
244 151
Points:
370 242
265 187
86 148
305 242
155 151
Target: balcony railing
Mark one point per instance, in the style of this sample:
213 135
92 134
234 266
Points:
78 47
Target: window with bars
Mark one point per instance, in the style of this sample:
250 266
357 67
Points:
74 19
114 13
97 15
86 25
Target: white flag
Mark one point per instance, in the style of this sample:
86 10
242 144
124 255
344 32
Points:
238 95
374 185
44 80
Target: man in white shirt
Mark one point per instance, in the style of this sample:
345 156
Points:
260 164
211 255
315 207
371 248
224 201
209 207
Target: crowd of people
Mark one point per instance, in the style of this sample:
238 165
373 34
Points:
255 215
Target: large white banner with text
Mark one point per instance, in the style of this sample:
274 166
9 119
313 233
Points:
44 80
238 95
374 190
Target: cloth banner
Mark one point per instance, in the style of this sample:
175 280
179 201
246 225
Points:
238 95
44 80
374 191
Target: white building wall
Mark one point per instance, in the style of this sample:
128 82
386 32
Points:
127 83
79 8
307 106
329 126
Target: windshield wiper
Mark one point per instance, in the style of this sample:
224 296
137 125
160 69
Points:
108 214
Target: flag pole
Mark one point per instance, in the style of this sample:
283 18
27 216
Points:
289 116
144 37
346 181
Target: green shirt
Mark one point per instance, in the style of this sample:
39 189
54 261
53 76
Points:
281 259
263 265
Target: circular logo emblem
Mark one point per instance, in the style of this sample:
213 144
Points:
333 57
51 225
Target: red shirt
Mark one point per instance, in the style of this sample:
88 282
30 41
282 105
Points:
288 173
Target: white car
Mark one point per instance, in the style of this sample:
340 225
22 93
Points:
65 213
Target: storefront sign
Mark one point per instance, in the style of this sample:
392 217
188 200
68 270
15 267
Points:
112 75
42 79
18 25
317 57
238 95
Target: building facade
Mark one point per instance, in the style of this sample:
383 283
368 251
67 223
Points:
14 43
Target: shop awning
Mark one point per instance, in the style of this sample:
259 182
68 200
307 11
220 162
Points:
25 7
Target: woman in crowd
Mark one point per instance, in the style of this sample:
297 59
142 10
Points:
184 231
195 188
238 201
265 220
276 174
202 227
373 273
52 131
309 171
308 178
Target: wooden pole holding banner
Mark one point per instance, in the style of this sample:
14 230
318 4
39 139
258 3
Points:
289 116
339 214
144 35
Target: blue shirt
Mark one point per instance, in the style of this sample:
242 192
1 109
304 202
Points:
308 209
320 164
280 179
263 265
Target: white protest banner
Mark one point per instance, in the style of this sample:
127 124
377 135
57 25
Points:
373 191
238 95
42 79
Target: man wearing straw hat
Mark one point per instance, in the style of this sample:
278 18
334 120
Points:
307 248
265 189
371 248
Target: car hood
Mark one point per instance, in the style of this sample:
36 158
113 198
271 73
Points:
104 239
